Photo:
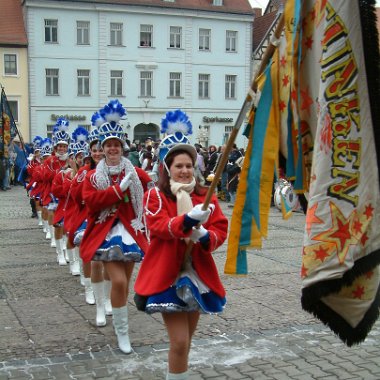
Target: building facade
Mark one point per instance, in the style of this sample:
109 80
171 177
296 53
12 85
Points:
14 64
153 56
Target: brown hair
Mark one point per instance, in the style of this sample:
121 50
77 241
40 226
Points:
164 179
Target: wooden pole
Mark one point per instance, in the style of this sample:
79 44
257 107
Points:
239 121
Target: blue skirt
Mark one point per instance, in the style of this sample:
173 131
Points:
119 245
186 295
78 234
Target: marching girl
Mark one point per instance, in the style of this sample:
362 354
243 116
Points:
37 181
33 163
180 286
54 164
113 194
95 277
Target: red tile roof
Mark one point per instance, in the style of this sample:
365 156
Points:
12 30
229 6
261 26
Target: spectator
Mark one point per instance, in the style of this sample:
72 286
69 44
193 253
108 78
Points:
134 156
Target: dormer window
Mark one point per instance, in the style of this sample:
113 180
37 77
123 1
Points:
217 2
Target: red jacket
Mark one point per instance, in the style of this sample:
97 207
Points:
75 210
97 200
51 167
162 263
60 189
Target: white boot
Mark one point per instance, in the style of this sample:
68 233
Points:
45 227
48 231
81 272
64 245
39 216
120 323
60 255
177 376
75 270
107 297
89 294
70 257
53 244
98 289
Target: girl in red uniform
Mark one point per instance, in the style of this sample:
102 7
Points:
180 286
113 194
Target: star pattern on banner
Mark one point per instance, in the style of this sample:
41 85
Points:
311 218
339 233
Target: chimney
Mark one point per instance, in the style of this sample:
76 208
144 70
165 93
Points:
258 12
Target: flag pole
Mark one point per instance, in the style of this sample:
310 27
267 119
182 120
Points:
243 111
239 121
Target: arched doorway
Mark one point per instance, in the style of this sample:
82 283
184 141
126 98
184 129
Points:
142 131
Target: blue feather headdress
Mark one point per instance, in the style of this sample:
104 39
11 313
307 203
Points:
107 121
60 135
37 142
80 134
46 147
176 121
177 125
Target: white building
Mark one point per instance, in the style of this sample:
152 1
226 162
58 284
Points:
153 56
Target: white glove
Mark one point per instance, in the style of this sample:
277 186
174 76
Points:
198 233
125 182
198 214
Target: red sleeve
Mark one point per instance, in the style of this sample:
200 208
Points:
57 186
97 200
161 216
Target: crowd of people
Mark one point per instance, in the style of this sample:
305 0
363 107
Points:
106 206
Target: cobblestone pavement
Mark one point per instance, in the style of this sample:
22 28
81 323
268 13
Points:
47 331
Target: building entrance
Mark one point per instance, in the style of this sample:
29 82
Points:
142 131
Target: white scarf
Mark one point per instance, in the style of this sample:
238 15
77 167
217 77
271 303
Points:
102 181
182 192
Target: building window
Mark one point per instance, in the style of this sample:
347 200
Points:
203 86
13 106
146 35
116 82
10 64
175 85
116 29
83 82
146 81
52 81
204 39
175 37
51 31
231 39
230 87
83 32
217 2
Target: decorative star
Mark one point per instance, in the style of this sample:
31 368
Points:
309 42
282 105
285 80
307 101
311 218
363 239
358 292
368 211
357 226
321 254
303 271
283 61
340 233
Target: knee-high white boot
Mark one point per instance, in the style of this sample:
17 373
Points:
177 376
88 292
120 323
39 216
45 227
64 245
53 244
75 270
81 273
48 231
70 256
107 297
60 254
98 288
